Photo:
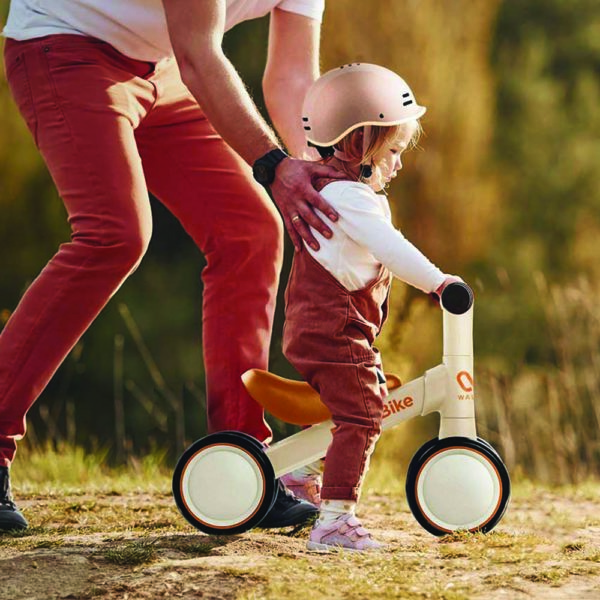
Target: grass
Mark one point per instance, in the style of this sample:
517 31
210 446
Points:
74 471
456 566
134 553
125 523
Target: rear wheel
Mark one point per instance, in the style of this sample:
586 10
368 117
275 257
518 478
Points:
457 484
224 483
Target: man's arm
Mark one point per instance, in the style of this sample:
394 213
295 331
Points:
196 30
292 67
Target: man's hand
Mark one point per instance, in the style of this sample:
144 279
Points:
296 198
292 67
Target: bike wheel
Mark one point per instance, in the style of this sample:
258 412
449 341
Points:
457 484
224 483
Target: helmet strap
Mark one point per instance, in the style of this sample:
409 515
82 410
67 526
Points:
366 171
324 151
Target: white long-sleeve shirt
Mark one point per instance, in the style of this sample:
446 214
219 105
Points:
364 238
137 28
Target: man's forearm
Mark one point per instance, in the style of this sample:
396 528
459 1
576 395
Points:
284 103
221 93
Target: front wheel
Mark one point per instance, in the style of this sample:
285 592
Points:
457 484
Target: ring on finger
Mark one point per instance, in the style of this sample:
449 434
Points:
296 218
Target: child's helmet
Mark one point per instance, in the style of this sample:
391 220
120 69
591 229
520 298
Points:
354 95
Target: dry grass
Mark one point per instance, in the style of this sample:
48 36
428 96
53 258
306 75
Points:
124 537
545 421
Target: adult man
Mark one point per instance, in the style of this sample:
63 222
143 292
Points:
114 114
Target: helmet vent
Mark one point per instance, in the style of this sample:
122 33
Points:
307 129
381 115
305 119
407 103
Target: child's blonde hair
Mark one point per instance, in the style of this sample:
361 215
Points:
381 136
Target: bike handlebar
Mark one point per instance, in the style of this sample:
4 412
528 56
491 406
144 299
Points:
457 298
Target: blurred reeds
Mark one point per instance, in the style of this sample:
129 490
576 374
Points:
545 420
541 414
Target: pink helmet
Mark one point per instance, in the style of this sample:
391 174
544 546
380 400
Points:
354 95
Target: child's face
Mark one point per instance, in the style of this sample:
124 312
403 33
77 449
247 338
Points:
388 161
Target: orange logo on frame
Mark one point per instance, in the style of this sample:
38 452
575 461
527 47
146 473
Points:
465 380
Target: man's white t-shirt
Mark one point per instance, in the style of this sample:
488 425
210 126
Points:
136 28
364 238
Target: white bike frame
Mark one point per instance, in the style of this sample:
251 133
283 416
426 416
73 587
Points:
447 388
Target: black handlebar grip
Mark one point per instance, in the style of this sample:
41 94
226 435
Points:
457 298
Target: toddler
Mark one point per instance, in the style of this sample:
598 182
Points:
361 118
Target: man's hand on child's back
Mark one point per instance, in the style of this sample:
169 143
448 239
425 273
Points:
296 197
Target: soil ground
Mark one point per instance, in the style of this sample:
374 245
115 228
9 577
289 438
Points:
131 545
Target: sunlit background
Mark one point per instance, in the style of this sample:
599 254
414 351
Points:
503 190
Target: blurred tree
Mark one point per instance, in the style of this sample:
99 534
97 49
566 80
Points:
546 55
548 134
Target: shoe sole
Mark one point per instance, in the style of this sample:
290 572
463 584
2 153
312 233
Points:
305 518
10 526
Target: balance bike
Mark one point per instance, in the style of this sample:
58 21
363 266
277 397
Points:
225 483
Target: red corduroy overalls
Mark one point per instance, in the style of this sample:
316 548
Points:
328 337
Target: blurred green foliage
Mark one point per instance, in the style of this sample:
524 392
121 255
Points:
503 191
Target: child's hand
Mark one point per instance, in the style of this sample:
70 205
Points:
437 294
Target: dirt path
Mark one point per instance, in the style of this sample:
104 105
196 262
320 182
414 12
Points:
137 546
